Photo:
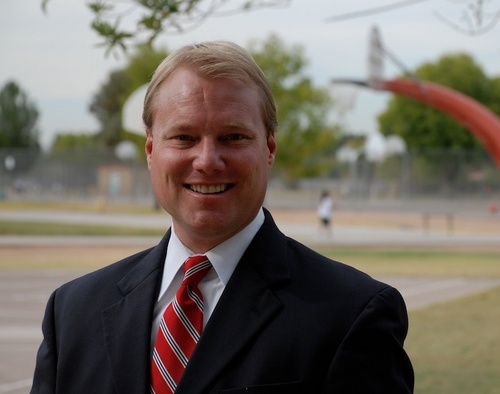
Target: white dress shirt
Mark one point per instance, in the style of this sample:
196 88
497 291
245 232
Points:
224 258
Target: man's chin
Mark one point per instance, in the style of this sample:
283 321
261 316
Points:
211 222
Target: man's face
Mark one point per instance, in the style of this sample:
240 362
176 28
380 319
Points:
209 156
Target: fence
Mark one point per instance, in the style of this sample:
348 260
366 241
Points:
92 176
83 175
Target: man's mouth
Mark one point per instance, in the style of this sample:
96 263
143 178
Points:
209 189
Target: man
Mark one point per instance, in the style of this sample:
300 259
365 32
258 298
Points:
325 208
277 317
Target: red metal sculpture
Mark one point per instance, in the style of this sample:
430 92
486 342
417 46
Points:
477 118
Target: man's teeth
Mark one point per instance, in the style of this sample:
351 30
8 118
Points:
208 189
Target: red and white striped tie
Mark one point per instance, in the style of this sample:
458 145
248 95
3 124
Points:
180 329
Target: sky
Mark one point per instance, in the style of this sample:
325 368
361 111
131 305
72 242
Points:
55 58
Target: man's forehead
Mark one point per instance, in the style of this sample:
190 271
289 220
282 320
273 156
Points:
185 84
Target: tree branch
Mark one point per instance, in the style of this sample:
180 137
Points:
372 11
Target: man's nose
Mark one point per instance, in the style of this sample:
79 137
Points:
209 156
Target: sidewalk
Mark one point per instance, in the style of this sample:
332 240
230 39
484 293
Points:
300 225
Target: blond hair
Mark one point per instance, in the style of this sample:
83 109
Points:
214 59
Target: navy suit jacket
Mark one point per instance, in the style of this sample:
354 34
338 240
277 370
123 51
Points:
289 321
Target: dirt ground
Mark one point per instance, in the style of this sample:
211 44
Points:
467 222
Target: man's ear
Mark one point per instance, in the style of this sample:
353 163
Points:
272 146
148 147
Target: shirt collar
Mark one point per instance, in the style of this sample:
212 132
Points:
224 257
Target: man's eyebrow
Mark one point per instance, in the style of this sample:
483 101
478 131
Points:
180 127
235 125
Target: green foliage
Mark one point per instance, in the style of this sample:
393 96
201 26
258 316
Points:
147 19
142 65
113 37
494 99
108 102
18 118
76 229
107 106
305 139
82 147
18 129
65 142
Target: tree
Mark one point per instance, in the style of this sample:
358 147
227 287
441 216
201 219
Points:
494 89
82 147
426 129
108 102
150 18
18 118
18 129
305 139
107 106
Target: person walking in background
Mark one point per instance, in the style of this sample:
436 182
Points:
225 303
325 210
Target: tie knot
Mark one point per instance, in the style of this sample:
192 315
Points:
195 269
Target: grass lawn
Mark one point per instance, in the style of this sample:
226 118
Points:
93 205
455 347
418 261
66 229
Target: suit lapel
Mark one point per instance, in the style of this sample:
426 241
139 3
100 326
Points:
127 324
247 305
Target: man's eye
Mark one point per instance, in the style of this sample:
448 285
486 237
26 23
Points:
234 137
184 138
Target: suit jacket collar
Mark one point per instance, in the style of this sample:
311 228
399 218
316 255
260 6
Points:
246 306
127 324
